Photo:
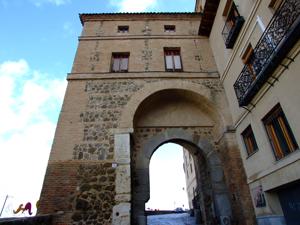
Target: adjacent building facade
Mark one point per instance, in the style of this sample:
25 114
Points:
221 82
190 177
256 48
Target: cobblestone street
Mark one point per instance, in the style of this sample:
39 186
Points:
171 219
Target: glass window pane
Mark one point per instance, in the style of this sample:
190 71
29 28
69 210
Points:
177 62
116 64
124 64
169 62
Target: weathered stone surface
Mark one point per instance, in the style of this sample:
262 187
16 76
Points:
121 214
123 179
94 198
122 148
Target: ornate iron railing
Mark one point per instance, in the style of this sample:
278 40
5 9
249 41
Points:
278 39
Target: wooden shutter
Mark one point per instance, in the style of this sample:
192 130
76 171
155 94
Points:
116 64
169 62
124 63
177 62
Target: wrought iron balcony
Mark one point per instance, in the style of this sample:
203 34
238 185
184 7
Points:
280 36
231 32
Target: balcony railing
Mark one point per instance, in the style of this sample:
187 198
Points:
230 32
280 36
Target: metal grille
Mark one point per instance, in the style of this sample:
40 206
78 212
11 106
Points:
280 25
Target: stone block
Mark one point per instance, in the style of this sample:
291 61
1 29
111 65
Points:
123 180
121 214
122 148
123 198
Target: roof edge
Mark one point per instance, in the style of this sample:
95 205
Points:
98 16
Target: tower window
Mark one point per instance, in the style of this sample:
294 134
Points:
170 28
120 62
173 59
123 29
280 134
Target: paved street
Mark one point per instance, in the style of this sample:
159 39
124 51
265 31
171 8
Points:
171 219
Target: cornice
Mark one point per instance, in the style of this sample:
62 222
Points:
85 17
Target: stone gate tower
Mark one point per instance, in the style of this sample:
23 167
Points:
140 80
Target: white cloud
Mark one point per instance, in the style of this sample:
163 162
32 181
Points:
29 105
133 5
54 2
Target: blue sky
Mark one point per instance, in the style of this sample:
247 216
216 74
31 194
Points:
37 46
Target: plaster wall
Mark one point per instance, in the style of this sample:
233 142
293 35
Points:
261 168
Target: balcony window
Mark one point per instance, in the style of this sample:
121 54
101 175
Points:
248 58
249 140
233 24
120 62
172 59
279 132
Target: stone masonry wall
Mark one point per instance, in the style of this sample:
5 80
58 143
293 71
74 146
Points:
65 187
83 192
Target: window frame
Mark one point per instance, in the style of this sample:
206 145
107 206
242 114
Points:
247 59
123 29
249 141
233 24
275 4
232 15
175 51
279 133
119 56
227 8
169 28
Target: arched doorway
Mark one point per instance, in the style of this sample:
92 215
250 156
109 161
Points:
214 200
188 119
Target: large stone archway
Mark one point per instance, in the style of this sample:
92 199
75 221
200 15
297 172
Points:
190 116
215 200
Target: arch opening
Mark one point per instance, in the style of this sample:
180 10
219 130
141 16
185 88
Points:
210 200
167 179
188 119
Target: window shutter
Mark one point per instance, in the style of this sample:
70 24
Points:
169 62
116 64
124 64
177 62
